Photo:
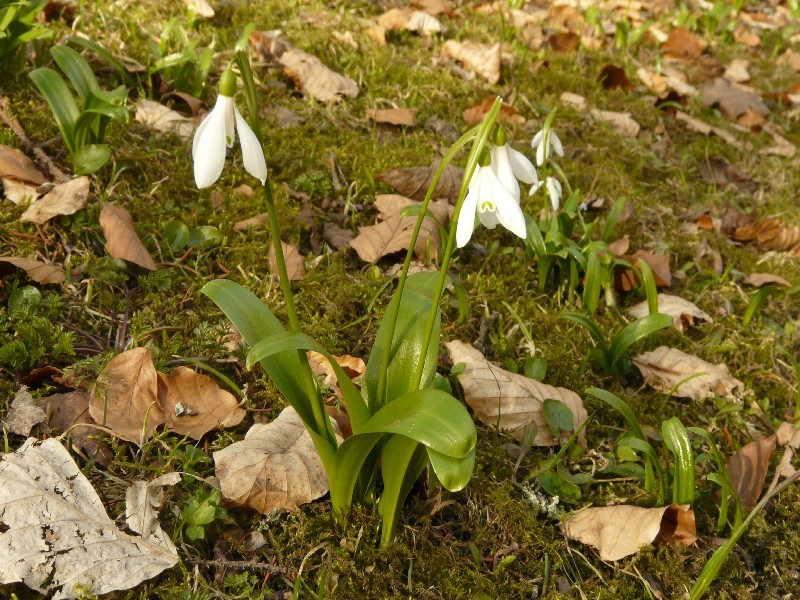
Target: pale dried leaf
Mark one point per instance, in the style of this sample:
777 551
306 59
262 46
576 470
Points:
311 75
163 119
393 116
64 199
14 164
18 192
622 122
143 499
353 366
701 127
390 205
121 239
393 19
732 100
738 71
24 414
743 35
295 262
476 113
771 234
275 467
194 404
57 536
125 396
434 7
413 182
70 411
575 101
682 311
508 400
255 221
781 146
421 22
681 43
762 279
667 370
748 469
37 270
483 59
620 531
201 8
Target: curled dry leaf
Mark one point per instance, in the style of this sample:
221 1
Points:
295 262
576 101
681 43
483 59
23 414
682 311
163 119
421 22
337 237
37 270
19 193
674 372
201 8
194 404
748 469
393 19
393 116
14 164
353 366
475 114
738 71
732 100
771 234
614 77
762 279
70 411
413 182
620 531
564 41
508 400
57 538
121 239
143 499
64 199
275 467
622 122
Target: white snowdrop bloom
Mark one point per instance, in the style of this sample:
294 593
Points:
543 150
554 189
217 133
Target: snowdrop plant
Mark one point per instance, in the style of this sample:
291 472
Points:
400 421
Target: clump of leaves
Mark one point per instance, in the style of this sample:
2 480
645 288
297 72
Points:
18 26
202 510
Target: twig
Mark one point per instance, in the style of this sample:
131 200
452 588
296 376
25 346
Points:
242 565
11 121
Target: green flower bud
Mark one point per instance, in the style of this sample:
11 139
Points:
227 84
500 136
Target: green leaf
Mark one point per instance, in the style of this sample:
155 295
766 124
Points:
535 368
651 463
558 417
649 285
205 236
593 282
347 464
76 69
453 473
102 53
633 332
403 463
176 235
612 218
676 439
89 159
406 348
621 406
58 96
555 485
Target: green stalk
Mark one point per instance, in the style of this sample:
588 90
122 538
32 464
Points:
472 162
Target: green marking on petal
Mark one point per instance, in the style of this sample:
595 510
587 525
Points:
487 205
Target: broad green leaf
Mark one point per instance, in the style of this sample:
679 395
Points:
205 236
76 69
555 485
406 349
102 53
176 235
633 332
346 466
453 473
558 417
91 158
402 464
58 96
651 463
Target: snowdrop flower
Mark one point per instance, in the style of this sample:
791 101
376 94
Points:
494 193
553 186
543 150
216 134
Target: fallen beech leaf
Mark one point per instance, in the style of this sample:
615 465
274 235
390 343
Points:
295 262
564 41
393 19
434 7
718 171
37 270
704 128
194 404
421 22
743 35
622 122
771 234
619 531
18 192
681 43
245 224
738 71
201 8
748 469
390 205
563 16
353 366
782 146
64 199
336 236
508 400
393 116
23 414
143 499
682 311
613 77
762 279
121 239
576 101
475 114
732 100
163 119
275 467
791 58
14 164
667 370
57 538
70 411
483 59
125 397
413 182
659 265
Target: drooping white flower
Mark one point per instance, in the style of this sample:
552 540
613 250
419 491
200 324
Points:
554 189
542 149
494 194
217 133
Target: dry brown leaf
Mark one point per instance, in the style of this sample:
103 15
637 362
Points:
746 36
704 128
434 7
125 397
669 369
562 16
393 19
782 146
57 537
413 182
245 224
336 236
718 171
14 164
390 205
121 239
475 114
622 122
762 279
70 411
393 116
275 467
64 199
620 531
311 75
681 43
564 41
483 59
613 77
19 193
353 366
733 101
295 262
163 119
24 414
37 270
508 400
771 234
143 499
576 101
748 469
682 311
194 404
738 71
423 23
790 58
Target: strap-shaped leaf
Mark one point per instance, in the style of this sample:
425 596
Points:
76 69
406 348
55 91
404 461
89 159
453 473
347 465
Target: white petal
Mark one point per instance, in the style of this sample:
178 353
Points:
466 218
554 189
537 139
229 106
208 149
522 167
556 143
503 169
252 152
535 187
540 154
488 219
510 215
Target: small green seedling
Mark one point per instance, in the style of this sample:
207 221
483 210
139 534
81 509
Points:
202 510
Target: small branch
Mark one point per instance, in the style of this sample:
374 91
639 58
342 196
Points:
242 565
